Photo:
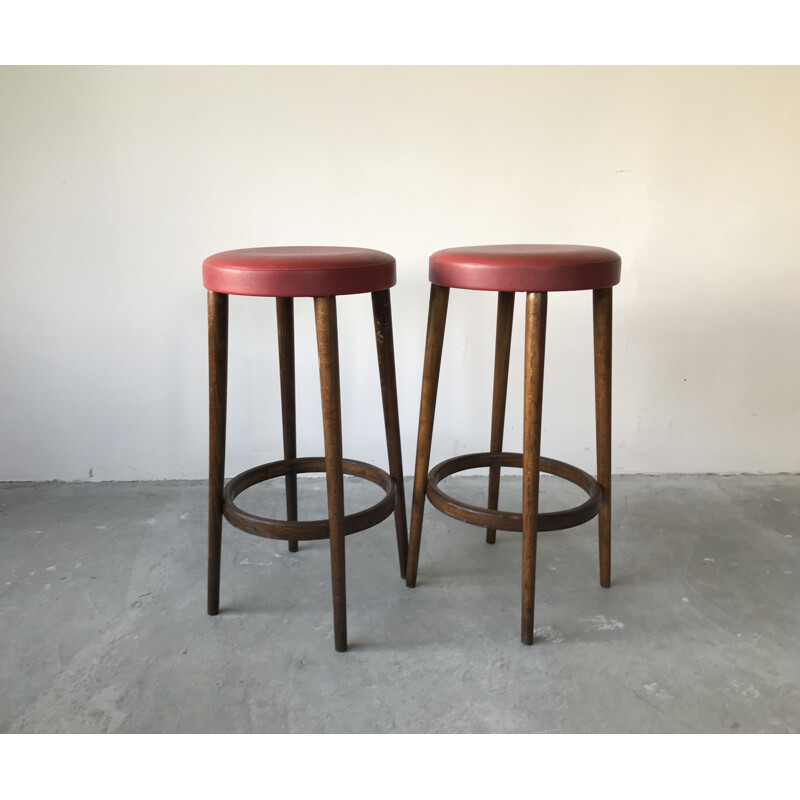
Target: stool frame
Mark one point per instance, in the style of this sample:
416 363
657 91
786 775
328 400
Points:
530 522
221 496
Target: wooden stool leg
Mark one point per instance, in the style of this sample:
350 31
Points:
505 318
328 347
437 316
602 389
384 339
217 405
535 322
285 309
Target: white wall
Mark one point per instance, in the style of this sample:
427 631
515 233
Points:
115 183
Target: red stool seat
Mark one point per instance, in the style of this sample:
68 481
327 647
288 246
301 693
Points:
299 271
525 268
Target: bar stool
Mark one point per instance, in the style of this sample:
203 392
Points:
285 273
535 270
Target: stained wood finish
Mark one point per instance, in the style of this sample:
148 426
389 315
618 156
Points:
217 406
509 520
328 348
285 314
535 322
437 316
502 353
307 529
384 340
602 302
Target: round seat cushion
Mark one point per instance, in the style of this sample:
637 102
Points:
299 271
525 267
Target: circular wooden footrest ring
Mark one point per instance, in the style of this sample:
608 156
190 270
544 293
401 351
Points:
508 520
305 530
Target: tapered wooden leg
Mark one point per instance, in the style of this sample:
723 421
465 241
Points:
384 339
327 345
217 405
602 389
535 322
437 315
505 318
285 309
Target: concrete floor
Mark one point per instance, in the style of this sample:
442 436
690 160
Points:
102 616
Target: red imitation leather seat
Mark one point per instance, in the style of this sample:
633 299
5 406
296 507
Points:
525 268
299 271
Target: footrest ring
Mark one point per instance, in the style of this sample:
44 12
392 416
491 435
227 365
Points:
306 530
508 520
